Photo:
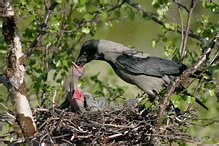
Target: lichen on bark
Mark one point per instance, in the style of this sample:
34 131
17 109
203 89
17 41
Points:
15 71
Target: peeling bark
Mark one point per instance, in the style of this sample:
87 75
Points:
15 71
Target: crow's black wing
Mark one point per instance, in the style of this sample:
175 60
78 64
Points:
152 66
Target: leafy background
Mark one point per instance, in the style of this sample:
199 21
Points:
49 66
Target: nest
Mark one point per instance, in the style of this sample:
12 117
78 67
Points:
119 125
112 125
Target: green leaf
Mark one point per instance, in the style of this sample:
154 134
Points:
31 17
58 1
154 43
23 2
75 20
64 62
85 30
87 17
161 12
81 9
163 1
190 99
104 16
175 100
59 81
31 62
212 91
29 7
39 69
131 14
155 4
146 17
148 104
92 32
167 25
82 2
117 14
75 1
3 51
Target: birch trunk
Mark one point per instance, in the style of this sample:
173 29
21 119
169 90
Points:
15 71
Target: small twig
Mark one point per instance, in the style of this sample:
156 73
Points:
171 137
55 137
117 135
43 99
117 116
10 115
190 53
182 53
46 59
115 7
213 77
86 136
41 139
180 5
49 119
67 141
43 28
200 73
155 19
42 109
118 126
60 38
182 36
214 2
205 125
63 31
79 130
53 100
5 107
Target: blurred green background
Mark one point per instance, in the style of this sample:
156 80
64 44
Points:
138 33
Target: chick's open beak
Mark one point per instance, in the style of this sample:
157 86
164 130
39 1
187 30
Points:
77 99
77 70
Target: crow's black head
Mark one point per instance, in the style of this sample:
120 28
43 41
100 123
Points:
89 52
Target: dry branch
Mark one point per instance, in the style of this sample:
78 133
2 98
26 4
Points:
183 49
155 19
43 29
184 75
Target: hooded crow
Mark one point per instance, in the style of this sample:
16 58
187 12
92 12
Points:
147 72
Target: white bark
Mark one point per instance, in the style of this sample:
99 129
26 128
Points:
16 70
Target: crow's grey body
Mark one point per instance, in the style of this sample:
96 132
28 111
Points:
147 72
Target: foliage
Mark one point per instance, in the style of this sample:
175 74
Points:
109 92
72 21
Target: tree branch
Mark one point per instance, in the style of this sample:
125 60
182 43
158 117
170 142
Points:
182 35
178 80
155 19
180 5
15 72
182 53
43 29
214 2
200 73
